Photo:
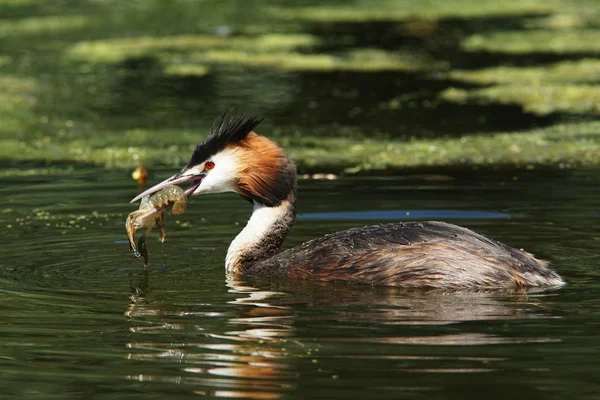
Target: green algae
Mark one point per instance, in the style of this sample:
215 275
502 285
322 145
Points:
559 146
5 60
354 60
389 10
39 171
574 144
48 218
17 85
186 70
541 99
278 51
560 21
585 70
536 41
567 86
117 50
43 25
17 99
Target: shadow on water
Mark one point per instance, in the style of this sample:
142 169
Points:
399 104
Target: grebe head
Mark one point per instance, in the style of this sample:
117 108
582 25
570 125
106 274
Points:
233 158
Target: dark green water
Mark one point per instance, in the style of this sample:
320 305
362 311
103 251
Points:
82 319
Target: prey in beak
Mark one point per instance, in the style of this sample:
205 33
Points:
151 213
177 179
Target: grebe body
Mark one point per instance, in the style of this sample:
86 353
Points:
415 254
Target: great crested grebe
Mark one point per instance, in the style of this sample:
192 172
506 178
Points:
233 158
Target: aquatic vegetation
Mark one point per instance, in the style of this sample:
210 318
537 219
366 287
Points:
41 171
277 51
43 25
186 70
560 21
355 60
5 60
560 145
59 222
585 70
117 50
567 86
386 10
538 98
12 84
573 144
17 98
536 41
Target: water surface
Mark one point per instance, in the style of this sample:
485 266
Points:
82 319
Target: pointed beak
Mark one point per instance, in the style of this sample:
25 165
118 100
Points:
176 179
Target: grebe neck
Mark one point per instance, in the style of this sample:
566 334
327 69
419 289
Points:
262 237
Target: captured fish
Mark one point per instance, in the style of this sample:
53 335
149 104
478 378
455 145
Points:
151 213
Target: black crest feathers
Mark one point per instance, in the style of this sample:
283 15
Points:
229 128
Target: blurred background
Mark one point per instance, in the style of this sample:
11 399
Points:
363 86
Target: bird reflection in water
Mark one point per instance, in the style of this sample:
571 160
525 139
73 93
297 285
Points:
262 356
248 362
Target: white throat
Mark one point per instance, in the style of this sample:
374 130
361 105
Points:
263 222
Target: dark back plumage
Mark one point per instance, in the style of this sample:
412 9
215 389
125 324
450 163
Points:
414 254
229 128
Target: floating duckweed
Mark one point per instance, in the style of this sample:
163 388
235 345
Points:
559 21
390 10
537 98
43 25
45 171
585 70
532 41
285 61
186 70
559 87
355 60
43 218
5 60
117 50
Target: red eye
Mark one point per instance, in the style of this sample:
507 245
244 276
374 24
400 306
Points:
209 165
